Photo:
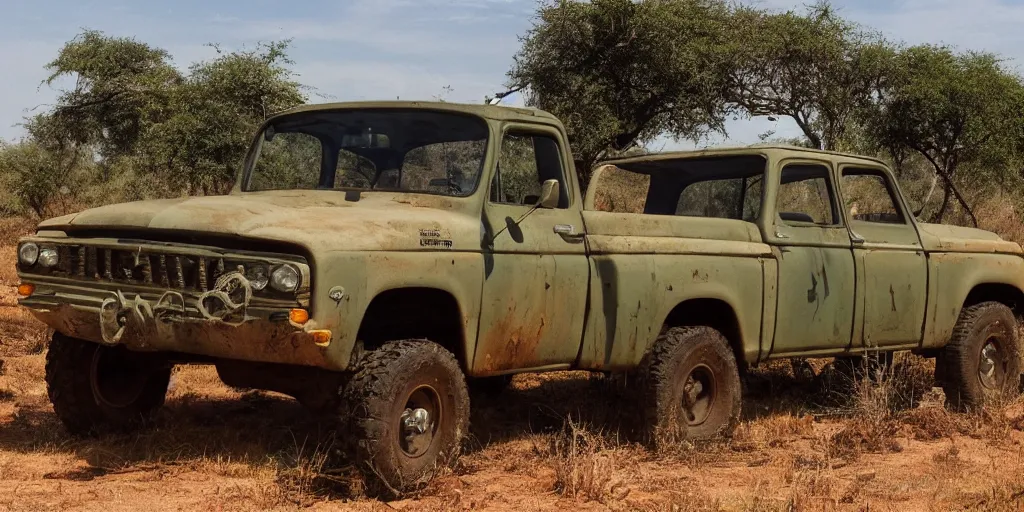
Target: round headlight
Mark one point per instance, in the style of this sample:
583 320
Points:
28 253
258 277
48 257
285 278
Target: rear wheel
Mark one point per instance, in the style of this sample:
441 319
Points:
981 363
407 408
690 386
95 388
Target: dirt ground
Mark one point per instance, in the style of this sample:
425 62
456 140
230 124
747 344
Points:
552 442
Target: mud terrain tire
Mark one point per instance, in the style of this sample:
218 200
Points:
981 363
96 389
397 447
690 387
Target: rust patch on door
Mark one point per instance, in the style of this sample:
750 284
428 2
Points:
514 341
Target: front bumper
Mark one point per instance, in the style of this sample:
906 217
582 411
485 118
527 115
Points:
146 320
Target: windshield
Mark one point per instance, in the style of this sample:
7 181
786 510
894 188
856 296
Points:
373 149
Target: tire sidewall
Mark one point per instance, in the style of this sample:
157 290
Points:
687 349
1000 324
70 374
446 429
375 406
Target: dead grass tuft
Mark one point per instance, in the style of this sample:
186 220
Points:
999 497
308 474
584 468
935 422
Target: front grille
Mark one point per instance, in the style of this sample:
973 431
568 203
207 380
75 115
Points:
141 267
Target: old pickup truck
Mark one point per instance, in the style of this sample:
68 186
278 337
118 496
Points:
373 258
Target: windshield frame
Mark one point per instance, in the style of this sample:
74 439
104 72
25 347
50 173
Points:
252 157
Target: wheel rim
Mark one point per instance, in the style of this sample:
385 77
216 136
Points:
419 421
991 366
116 382
699 393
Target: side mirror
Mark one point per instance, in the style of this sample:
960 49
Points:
549 194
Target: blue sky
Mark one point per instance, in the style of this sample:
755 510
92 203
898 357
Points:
412 49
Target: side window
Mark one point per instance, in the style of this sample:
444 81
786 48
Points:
869 197
805 196
736 198
525 163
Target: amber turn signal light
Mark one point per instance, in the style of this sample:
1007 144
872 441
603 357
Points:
26 289
298 316
321 338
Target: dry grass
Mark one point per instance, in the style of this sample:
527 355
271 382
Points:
254 450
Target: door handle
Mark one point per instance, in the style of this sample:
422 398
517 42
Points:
856 239
779 234
567 230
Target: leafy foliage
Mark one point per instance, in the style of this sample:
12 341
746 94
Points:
216 111
122 88
958 110
619 72
131 112
816 68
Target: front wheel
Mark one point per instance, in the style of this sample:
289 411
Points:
981 363
690 386
407 409
95 388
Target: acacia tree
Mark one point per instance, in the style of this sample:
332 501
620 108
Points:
816 68
191 130
122 87
216 111
958 110
43 169
619 72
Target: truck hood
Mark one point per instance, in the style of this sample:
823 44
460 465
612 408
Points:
318 220
945 238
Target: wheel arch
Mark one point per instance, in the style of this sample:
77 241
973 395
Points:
1007 294
716 313
428 313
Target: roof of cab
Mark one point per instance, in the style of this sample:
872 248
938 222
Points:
777 150
497 112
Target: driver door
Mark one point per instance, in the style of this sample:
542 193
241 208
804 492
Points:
536 268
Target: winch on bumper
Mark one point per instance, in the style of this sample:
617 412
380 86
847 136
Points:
158 297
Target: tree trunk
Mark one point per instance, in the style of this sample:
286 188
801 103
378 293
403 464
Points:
937 218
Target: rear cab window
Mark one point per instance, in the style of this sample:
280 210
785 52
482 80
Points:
725 187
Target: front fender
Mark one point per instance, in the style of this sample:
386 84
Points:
358 277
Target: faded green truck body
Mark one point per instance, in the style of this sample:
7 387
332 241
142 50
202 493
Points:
509 288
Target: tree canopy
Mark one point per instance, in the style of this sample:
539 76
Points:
129 109
814 67
958 110
619 72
